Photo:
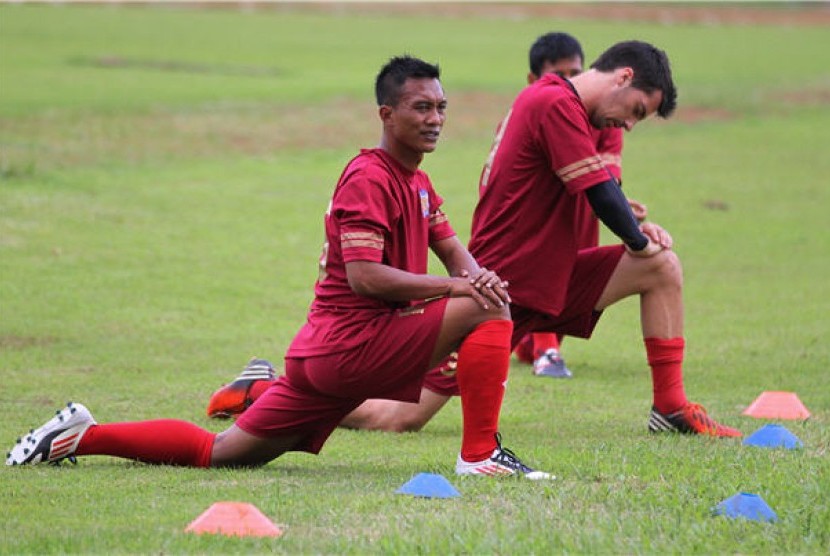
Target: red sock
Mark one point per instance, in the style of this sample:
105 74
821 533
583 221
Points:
165 441
524 349
665 357
483 361
543 341
258 387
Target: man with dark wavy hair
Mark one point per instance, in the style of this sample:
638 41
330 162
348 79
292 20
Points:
542 176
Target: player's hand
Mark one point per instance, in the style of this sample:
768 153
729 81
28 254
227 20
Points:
639 209
657 234
649 250
449 365
658 240
485 287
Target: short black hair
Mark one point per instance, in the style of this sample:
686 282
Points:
552 47
396 71
652 70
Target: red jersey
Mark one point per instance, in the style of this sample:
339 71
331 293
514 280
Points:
380 212
532 201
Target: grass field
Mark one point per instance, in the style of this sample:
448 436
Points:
163 176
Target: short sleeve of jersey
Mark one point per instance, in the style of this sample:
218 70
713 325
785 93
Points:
566 136
362 213
609 148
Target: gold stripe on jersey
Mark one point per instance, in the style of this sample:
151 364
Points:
579 168
362 243
437 217
361 239
611 159
361 235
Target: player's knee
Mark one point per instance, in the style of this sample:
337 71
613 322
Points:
470 313
669 269
405 424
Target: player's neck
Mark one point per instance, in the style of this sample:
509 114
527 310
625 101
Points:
405 156
590 87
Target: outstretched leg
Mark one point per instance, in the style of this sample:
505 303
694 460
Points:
74 432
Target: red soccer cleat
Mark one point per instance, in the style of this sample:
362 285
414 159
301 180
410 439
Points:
689 419
234 398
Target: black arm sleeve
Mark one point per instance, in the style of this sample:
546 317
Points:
612 209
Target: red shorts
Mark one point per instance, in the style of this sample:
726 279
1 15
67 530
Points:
591 273
315 393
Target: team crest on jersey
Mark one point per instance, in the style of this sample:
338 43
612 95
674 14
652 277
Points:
424 202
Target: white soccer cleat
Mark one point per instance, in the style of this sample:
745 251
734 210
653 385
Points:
502 462
54 441
551 364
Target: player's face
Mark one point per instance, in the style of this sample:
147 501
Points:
415 122
624 106
564 67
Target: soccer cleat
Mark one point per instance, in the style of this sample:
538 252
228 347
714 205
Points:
54 441
551 364
234 398
501 462
689 419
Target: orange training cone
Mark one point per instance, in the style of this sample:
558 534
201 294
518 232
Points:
777 405
234 518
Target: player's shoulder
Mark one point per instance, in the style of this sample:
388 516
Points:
550 91
366 165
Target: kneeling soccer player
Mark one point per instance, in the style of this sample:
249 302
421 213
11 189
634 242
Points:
377 324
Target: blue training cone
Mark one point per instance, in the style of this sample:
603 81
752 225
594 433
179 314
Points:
429 485
773 436
747 506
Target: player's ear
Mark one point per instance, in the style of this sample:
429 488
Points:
384 112
624 76
531 78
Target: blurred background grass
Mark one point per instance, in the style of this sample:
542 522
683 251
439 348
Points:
163 176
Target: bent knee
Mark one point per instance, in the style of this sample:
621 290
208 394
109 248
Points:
470 310
404 425
670 268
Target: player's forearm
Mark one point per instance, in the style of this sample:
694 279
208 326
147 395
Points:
611 207
380 281
455 257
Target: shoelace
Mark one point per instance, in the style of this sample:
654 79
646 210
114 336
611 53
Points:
552 356
507 458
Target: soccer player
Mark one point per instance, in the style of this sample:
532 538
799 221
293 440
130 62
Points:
543 177
378 322
561 53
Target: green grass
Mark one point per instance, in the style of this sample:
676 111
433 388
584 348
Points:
158 227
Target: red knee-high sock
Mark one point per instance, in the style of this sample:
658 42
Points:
665 357
166 441
524 349
483 361
543 341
